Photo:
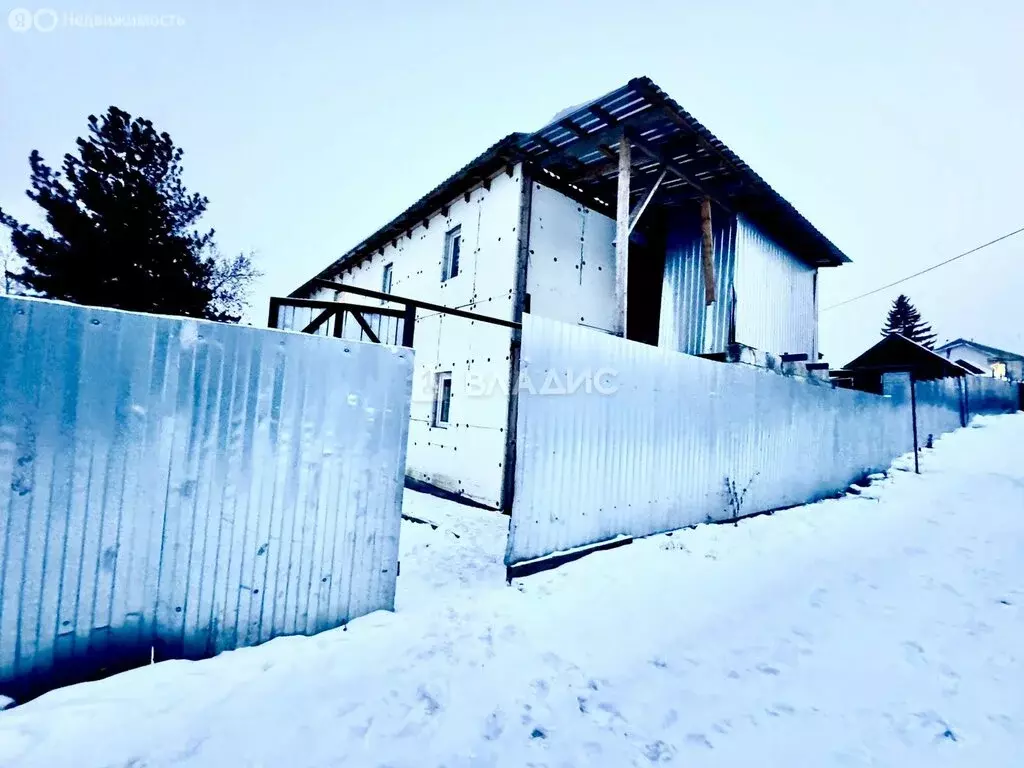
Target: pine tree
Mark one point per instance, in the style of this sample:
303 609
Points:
8 284
905 320
124 229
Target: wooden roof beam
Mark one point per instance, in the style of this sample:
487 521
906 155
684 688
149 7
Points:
671 166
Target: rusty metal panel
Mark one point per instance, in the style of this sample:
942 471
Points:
187 486
661 440
776 309
687 324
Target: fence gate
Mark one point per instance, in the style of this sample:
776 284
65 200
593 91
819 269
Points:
462 434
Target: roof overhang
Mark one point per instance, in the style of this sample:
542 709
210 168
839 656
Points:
577 154
579 149
898 353
994 353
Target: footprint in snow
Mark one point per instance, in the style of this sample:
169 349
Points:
659 752
494 726
698 740
914 652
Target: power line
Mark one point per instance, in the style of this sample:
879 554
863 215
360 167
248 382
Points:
929 269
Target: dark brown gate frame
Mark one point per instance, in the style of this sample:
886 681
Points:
408 313
331 309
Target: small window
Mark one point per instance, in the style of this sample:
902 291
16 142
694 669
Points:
442 398
452 246
385 285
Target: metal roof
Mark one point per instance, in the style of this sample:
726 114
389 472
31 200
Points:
897 352
577 153
994 352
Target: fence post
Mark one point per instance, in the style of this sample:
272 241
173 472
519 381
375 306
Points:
967 401
913 411
275 304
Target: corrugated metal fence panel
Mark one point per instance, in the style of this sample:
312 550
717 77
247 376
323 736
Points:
187 485
775 305
687 324
664 440
989 395
939 407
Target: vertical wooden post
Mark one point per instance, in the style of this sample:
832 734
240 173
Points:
815 344
409 325
275 305
622 235
707 251
520 304
913 411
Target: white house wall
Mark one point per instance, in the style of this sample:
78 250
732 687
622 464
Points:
467 457
571 270
969 354
776 304
982 360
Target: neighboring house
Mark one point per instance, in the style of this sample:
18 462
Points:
894 354
625 215
985 360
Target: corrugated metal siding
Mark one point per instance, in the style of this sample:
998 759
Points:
776 309
687 325
188 485
658 453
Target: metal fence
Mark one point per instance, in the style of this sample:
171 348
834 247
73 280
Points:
989 395
943 405
180 487
620 438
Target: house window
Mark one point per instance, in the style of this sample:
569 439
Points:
452 246
999 370
442 398
385 285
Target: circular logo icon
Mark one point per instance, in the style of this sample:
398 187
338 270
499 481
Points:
45 19
20 19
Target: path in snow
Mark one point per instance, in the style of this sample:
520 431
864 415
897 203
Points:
881 629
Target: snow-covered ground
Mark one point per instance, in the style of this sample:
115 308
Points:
879 629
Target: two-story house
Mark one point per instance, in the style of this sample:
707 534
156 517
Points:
623 214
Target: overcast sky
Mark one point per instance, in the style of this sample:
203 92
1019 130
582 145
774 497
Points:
897 128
